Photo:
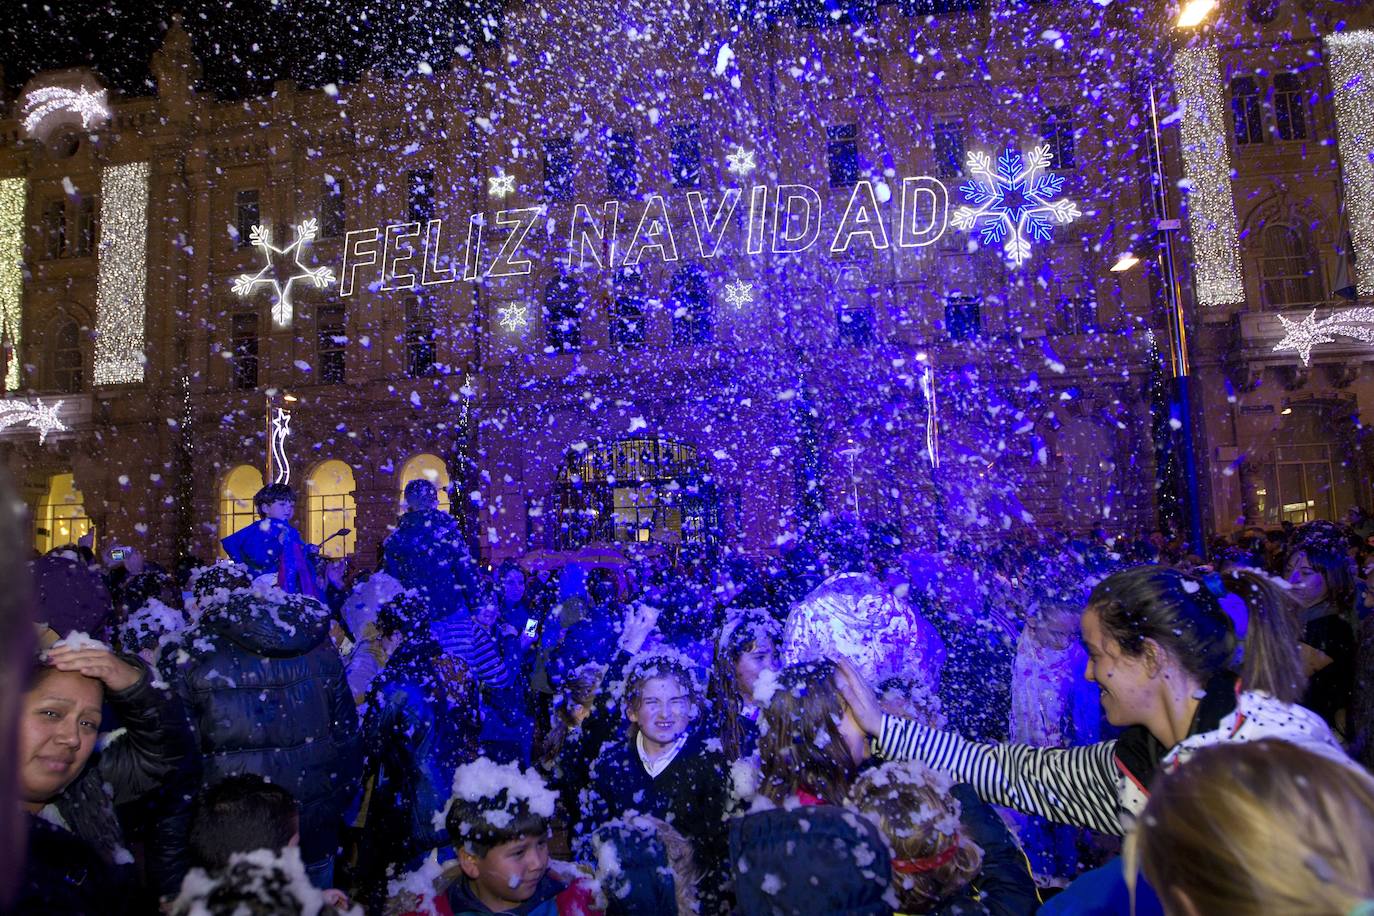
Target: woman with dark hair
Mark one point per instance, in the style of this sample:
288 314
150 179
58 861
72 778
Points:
1319 570
1162 652
76 860
746 647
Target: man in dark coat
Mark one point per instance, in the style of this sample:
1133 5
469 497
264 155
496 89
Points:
426 552
267 695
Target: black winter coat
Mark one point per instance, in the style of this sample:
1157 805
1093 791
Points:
88 860
426 552
1004 886
267 695
690 795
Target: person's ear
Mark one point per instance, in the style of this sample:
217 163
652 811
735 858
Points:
632 713
468 863
1152 654
295 839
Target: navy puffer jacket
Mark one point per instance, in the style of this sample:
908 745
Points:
266 693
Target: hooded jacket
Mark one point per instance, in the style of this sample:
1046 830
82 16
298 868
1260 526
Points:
426 552
267 695
813 861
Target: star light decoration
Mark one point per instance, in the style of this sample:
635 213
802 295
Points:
741 161
739 293
283 263
39 416
1302 336
513 317
501 185
281 431
1013 203
52 99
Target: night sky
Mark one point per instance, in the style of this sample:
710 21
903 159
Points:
243 45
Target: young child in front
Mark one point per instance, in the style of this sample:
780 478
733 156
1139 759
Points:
498 821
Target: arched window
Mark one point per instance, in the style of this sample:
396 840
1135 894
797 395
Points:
562 314
635 490
330 507
68 364
1288 269
691 304
236 509
627 316
431 468
62 516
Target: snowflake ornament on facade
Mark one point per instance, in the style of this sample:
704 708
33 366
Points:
513 317
741 161
501 185
39 416
1013 203
739 293
1302 336
284 267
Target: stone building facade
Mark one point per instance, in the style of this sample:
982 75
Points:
637 402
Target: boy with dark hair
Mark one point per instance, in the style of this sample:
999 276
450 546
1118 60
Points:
241 813
271 545
669 768
498 821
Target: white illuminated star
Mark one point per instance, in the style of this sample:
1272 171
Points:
39 416
741 161
1302 336
739 293
501 185
513 317
284 267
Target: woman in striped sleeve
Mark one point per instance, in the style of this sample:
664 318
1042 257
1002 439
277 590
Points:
1163 653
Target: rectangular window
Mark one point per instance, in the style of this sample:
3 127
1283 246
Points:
332 343
684 155
55 228
1056 129
420 185
622 163
1077 315
247 214
558 169
85 227
949 149
856 327
244 339
419 337
963 317
1246 117
842 153
1290 106
333 210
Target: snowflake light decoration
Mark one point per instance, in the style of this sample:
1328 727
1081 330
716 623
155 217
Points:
1302 336
284 267
741 161
501 185
513 317
739 293
39 416
51 99
1013 204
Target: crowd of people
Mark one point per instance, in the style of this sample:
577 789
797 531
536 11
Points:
852 726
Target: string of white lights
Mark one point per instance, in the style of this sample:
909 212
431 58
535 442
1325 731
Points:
1350 58
12 193
121 290
1207 164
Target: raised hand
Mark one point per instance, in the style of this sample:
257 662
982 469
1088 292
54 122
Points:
640 621
863 702
100 664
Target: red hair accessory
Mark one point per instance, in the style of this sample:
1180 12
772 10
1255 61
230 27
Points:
928 863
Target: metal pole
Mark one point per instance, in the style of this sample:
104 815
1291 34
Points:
1181 395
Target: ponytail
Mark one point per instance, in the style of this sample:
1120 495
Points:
1270 661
